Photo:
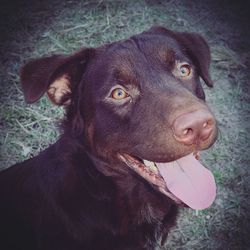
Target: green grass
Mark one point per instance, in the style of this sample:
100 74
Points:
32 30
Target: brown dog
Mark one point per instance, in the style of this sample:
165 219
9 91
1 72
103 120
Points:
135 115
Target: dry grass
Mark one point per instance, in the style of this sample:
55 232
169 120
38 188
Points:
32 30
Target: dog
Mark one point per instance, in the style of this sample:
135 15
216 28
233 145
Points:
135 121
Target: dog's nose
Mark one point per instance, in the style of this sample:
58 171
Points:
194 127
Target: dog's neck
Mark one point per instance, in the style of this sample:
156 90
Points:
138 204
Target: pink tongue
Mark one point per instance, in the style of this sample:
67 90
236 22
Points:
189 181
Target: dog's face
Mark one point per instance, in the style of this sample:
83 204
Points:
127 101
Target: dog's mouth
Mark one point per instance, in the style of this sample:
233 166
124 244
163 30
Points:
184 180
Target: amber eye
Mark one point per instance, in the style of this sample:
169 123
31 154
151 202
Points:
119 94
185 70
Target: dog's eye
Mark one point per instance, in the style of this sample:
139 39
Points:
184 70
119 94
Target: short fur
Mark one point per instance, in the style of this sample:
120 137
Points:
77 194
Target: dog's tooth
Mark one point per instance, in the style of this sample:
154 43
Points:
150 165
154 168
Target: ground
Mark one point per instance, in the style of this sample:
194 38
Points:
34 28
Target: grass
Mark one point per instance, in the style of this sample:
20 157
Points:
34 29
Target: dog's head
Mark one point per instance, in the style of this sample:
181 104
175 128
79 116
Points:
137 102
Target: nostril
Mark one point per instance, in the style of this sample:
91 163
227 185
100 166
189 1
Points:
185 135
206 130
205 125
187 131
208 123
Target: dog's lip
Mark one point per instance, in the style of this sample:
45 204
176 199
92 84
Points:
184 180
149 171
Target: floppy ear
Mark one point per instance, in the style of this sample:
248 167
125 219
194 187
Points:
57 75
196 48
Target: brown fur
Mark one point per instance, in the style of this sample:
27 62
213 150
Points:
77 194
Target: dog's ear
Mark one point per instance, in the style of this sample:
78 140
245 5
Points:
198 50
195 47
57 75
